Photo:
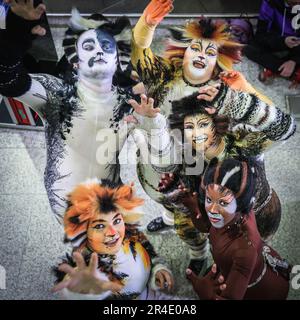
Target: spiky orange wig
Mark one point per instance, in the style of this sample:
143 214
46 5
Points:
88 200
229 51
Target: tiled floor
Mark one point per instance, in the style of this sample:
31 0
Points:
31 239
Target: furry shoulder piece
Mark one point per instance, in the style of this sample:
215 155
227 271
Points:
119 29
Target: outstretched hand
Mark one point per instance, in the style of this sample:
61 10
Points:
208 287
25 9
166 181
85 279
235 80
183 194
208 93
157 10
145 108
189 199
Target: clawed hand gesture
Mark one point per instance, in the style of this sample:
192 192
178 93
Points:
209 286
145 108
183 194
85 279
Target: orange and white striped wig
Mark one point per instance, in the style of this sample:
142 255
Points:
90 199
229 51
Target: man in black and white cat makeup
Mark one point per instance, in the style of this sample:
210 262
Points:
84 112
97 53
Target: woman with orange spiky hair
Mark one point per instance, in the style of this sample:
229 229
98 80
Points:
112 258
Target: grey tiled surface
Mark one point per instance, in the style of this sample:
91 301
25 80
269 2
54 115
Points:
31 239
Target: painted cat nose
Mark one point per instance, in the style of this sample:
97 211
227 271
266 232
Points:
214 209
111 231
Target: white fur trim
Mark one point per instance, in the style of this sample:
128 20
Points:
125 35
77 23
168 217
91 181
229 174
292 126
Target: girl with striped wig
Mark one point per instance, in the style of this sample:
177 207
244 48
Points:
251 268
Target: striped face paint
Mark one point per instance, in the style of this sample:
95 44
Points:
200 131
220 205
200 60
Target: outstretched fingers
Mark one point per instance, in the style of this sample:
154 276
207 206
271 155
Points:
192 277
134 104
40 9
94 262
67 269
165 181
211 110
209 92
60 286
144 99
78 258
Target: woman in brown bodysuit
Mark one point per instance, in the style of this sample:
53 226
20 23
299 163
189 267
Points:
252 269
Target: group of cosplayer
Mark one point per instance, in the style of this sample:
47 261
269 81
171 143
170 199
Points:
114 80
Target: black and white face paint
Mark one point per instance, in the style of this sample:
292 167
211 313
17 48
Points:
97 54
